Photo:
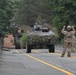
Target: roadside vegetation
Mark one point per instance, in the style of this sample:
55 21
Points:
23 39
57 13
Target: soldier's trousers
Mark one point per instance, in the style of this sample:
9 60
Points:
67 47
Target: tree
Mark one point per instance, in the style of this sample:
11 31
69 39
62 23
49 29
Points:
31 9
64 12
6 14
55 12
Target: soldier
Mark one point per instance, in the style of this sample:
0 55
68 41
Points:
1 40
68 40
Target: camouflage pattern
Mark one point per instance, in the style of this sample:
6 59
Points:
40 40
74 44
41 36
68 41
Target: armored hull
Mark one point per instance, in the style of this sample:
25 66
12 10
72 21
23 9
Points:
41 39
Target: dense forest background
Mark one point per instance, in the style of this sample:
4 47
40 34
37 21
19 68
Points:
56 13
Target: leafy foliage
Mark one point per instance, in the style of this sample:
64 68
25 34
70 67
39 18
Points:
31 10
57 12
6 14
64 12
26 12
23 39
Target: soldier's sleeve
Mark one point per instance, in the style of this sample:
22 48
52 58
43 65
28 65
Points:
63 31
73 32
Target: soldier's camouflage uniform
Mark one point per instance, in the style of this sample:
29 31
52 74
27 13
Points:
74 44
68 41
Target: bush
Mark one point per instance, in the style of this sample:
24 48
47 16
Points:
23 39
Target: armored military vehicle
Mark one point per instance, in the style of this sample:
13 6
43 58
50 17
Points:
40 38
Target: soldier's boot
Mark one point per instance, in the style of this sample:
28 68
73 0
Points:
69 54
62 55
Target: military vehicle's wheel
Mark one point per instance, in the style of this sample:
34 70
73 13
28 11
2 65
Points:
52 49
24 47
28 49
17 46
